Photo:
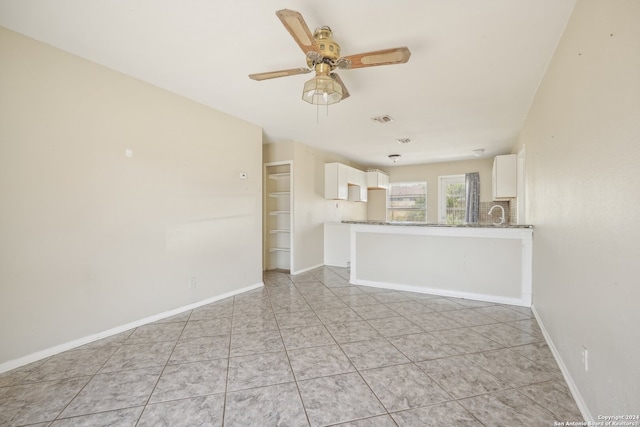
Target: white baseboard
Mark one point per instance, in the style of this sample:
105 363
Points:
443 292
51 351
304 270
582 406
335 264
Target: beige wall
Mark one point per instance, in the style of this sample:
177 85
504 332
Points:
377 205
91 239
311 210
582 139
430 173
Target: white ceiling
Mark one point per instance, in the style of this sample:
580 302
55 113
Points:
474 69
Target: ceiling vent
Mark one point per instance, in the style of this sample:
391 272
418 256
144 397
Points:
403 140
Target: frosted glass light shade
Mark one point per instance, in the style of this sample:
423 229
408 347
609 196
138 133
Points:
322 90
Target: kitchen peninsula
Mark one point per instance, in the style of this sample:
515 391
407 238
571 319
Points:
481 262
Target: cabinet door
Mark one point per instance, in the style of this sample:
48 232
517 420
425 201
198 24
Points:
335 181
362 182
504 177
383 181
364 192
377 180
357 185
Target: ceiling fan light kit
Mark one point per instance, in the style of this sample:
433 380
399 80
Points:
322 89
323 56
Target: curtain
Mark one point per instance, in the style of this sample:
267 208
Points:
472 190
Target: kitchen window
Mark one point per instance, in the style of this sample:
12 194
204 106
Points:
407 202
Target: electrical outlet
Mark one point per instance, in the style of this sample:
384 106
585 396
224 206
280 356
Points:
585 358
192 282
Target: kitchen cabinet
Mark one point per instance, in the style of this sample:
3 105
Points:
357 193
278 215
357 183
342 182
504 177
377 180
336 185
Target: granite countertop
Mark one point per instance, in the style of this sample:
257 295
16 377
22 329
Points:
414 224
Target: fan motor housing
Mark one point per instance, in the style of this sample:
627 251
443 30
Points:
329 49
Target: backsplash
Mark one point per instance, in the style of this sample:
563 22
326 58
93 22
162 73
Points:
509 212
513 211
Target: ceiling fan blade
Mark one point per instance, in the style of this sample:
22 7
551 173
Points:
345 92
398 55
281 73
294 23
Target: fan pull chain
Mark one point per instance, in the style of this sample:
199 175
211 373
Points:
318 112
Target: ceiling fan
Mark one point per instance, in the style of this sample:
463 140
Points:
323 56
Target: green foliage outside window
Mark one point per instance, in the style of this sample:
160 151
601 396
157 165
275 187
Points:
456 203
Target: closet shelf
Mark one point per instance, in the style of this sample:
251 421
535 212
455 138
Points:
279 175
278 215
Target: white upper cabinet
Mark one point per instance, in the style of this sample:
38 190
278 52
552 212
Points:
377 180
357 185
342 182
504 177
336 185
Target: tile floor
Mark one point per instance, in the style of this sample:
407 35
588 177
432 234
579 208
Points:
304 350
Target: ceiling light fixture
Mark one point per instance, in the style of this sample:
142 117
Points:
479 152
403 140
322 89
382 119
394 157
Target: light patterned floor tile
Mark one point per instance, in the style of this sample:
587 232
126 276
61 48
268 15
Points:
443 414
258 370
494 408
114 390
339 398
277 405
191 380
119 418
38 402
309 349
404 386
316 362
197 411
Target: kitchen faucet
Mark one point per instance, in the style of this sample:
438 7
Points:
501 217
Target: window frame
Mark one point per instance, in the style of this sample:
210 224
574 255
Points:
390 208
